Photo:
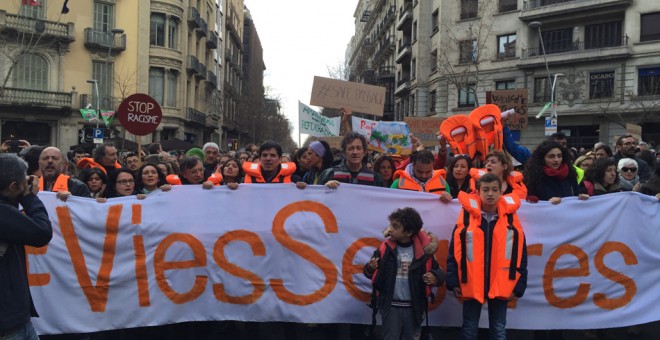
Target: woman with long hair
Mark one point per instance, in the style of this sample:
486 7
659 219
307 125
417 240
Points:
601 178
150 178
458 174
386 167
232 173
120 183
499 164
95 179
549 174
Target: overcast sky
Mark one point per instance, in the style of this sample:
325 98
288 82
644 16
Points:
301 38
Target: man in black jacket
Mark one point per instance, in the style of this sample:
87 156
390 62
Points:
17 230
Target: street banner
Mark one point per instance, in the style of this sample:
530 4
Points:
278 253
391 137
88 115
424 129
363 126
316 124
358 97
108 116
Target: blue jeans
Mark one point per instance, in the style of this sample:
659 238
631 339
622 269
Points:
25 332
496 319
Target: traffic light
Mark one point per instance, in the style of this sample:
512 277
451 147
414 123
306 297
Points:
235 144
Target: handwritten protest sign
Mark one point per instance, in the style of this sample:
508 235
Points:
424 128
334 142
511 99
358 97
391 137
315 124
363 126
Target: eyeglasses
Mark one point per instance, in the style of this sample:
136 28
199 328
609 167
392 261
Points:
626 169
126 181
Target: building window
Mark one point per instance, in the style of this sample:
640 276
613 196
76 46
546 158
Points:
31 72
650 27
601 85
172 81
157 84
434 60
468 51
104 17
102 72
157 30
173 33
466 96
541 90
414 31
607 34
558 41
435 21
509 84
413 69
469 9
508 5
649 81
432 102
506 46
36 12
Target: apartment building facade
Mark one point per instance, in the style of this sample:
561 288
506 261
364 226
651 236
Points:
233 72
171 49
607 55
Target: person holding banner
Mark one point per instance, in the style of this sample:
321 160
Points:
149 179
18 229
601 178
488 238
499 164
319 157
458 175
385 166
192 172
52 165
353 168
270 168
420 176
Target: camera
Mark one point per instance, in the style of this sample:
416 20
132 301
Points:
13 146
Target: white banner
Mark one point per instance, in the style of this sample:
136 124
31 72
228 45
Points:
363 126
274 252
315 124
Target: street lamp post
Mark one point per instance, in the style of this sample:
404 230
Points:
98 106
551 84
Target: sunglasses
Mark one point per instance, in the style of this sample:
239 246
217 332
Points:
626 169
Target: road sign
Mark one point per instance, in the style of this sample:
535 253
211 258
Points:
98 133
550 126
139 114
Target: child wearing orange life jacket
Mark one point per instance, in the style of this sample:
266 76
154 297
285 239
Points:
403 270
487 260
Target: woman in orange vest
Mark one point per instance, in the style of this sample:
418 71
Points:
487 258
499 164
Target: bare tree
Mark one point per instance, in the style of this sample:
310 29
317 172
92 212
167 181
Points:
472 38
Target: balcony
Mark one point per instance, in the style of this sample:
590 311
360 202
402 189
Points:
573 52
402 86
46 30
384 51
104 40
38 98
404 51
192 64
195 116
203 28
194 19
386 72
233 33
212 79
212 40
201 70
568 9
405 16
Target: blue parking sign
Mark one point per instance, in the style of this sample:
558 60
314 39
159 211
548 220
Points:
98 133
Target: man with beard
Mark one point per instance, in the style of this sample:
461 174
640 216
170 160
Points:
52 165
625 148
270 169
17 230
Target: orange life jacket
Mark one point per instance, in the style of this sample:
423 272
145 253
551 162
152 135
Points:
435 185
464 137
61 183
488 118
87 162
505 253
514 180
215 178
253 173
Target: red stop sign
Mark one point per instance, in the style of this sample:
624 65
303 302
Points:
139 114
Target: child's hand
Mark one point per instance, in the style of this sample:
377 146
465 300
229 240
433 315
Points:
430 279
457 293
373 264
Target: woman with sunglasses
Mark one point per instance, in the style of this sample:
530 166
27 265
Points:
628 177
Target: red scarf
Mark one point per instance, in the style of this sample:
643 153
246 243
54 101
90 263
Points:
560 173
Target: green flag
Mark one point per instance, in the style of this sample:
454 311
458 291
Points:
108 116
88 114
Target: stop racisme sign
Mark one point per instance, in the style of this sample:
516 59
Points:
139 114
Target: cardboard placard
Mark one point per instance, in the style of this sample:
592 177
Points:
334 142
424 129
511 99
333 93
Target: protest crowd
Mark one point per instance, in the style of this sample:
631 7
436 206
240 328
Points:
551 171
